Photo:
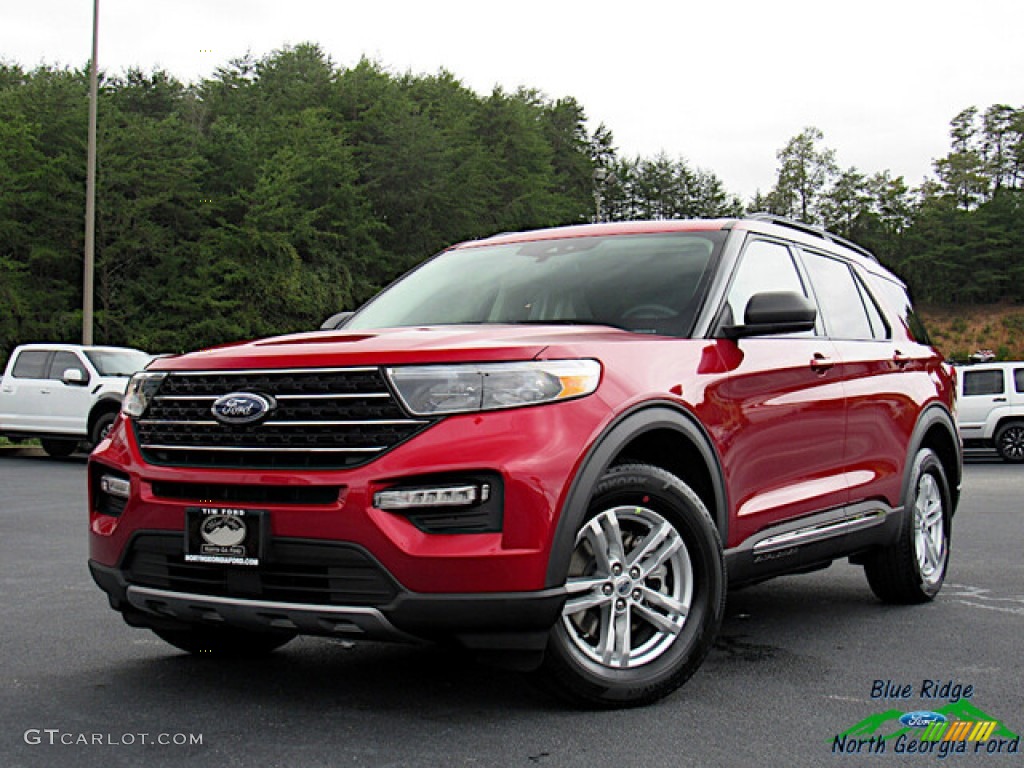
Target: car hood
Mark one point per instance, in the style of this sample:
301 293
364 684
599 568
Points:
395 346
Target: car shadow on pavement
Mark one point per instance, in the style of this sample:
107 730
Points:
320 673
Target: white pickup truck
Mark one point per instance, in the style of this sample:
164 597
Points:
65 394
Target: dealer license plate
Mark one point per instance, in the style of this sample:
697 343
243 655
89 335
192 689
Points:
225 536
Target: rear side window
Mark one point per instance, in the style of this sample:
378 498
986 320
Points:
1018 379
842 299
988 382
895 297
879 328
31 364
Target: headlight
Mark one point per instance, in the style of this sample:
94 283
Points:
140 389
428 390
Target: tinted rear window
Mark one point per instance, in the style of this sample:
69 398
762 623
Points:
989 382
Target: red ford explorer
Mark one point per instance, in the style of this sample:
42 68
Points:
561 446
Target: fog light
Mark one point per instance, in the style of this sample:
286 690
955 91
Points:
116 486
440 496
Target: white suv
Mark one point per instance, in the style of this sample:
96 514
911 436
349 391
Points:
64 394
991 408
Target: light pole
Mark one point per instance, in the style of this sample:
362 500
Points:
90 185
599 176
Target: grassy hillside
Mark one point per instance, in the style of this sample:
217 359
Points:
960 330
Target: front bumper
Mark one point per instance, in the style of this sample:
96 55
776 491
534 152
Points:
335 564
504 621
528 449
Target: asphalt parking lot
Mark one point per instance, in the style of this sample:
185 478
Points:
800 661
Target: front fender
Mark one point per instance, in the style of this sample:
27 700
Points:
603 453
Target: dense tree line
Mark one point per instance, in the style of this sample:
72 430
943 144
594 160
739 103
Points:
956 239
269 196
285 188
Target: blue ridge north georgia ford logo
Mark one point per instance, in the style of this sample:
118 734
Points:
241 408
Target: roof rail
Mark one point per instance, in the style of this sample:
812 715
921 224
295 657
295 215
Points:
812 230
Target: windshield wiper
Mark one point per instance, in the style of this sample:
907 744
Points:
577 321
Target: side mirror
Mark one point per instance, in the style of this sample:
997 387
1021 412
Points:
774 312
336 322
74 377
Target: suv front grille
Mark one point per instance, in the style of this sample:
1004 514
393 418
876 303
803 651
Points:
294 571
324 419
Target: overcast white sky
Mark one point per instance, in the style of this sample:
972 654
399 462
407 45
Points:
723 84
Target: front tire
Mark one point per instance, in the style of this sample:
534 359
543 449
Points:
223 641
646 587
101 427
1010 442
913 569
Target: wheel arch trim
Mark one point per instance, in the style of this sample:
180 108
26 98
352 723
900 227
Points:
105 404
935 415
644 418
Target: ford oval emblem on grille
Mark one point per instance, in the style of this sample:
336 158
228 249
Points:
241 408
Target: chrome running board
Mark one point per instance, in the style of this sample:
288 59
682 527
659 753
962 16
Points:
819 532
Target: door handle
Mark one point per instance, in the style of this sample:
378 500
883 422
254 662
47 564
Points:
901 360
998 399
821 364
44 391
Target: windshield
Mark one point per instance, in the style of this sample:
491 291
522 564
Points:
117 362
642 283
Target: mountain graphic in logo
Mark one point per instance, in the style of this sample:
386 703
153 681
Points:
887 725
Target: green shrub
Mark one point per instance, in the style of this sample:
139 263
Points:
1014 323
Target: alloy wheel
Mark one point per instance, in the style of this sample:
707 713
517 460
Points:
929 529
1011 443
630 585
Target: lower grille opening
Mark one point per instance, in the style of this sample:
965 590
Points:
249 494
294 571
199 457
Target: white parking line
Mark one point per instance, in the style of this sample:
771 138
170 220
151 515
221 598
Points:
979 597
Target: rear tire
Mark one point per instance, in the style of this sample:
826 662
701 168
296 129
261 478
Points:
223 641
58 448
912 570
647 589
1010 442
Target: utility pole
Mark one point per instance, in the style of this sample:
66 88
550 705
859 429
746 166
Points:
90 184
599 175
